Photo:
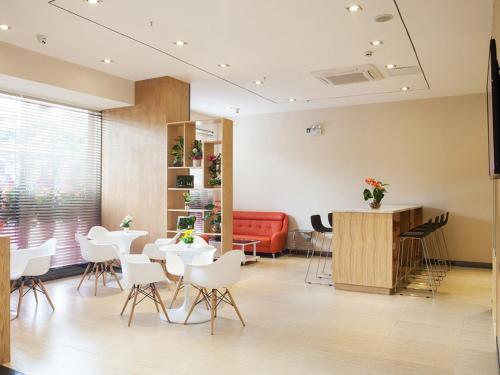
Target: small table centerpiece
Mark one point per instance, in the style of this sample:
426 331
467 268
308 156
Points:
377 194
187 237
126 222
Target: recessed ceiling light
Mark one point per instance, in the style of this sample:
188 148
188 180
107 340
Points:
390 66
405 88
229 108
259 82
383 17
223 65
376 42
292 99
107 61
5 27
180 43
93 2
354 8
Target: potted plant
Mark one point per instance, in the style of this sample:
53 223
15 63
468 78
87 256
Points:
187 199
213 216
197 153
187 237
126 222
177 151
377 194
214 169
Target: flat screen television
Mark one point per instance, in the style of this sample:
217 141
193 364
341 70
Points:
493 94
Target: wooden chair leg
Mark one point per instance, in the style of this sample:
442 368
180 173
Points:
235 307
104 269
212 311
127 300
33 286
134 304
96 278
161 302
192 306
92 271
13 285
39 282
179 283
21 291
83 277
112 270
154 297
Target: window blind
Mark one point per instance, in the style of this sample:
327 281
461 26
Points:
50 174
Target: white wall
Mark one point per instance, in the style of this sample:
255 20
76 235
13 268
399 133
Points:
432 152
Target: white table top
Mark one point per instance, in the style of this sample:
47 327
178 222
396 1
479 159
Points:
384 209
130 233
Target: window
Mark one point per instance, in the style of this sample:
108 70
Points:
50 174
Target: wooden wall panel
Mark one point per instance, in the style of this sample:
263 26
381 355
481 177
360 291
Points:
133 156
227 185
4 299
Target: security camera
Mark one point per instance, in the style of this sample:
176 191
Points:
42 39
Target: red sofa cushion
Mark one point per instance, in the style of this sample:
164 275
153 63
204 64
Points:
257 223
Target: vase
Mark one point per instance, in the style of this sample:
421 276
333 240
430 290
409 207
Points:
186 206
216 228
126 229
196 162
187 245
375 204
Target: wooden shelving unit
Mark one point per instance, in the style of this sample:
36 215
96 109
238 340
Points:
223 144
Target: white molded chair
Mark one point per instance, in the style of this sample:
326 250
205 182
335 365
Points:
175 267
101 257
168 241
154 253
209 279
98 234
143 274
26 267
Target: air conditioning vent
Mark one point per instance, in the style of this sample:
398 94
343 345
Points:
348 75
403 71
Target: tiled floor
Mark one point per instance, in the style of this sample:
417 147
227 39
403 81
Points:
292 328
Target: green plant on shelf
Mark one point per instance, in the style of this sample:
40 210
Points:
214 169
197 153
213 216
187 199
177 151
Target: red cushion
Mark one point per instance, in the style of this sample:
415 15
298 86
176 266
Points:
257 223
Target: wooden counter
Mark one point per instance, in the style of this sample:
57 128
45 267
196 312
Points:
4 299
366 244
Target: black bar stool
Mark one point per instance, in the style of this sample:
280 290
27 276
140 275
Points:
320 231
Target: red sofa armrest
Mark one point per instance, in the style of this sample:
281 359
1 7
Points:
278 240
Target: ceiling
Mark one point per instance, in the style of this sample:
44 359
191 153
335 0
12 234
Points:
280 40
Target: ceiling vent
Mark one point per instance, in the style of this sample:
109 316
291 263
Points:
403 71
348 75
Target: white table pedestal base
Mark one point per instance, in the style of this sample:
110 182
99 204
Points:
199 314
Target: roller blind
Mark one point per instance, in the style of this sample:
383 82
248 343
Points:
50 174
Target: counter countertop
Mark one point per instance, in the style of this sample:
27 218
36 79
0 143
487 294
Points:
384 209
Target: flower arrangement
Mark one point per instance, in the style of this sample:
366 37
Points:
178 151
377 194
214 170
197 153
187 237
125 225
187 199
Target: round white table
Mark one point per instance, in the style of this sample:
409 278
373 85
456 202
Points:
124 241
179 315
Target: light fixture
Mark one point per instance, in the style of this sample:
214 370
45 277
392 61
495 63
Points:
107 61
405 88
180 43
229 108
5 27
93 2
292 99
390 66
354 8
383 17
376 42
223 65
259 82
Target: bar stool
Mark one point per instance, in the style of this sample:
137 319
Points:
320 231
410 258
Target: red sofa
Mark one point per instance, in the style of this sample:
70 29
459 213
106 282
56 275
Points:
270 228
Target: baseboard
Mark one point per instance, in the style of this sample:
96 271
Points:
460 263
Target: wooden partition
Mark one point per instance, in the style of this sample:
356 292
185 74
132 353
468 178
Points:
4 299
133 156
